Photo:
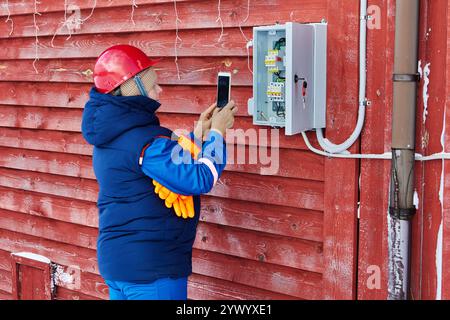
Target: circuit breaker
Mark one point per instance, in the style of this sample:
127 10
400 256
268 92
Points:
289 76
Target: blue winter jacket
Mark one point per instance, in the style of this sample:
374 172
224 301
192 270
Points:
140 239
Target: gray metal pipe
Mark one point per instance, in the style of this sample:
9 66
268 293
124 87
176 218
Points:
403 147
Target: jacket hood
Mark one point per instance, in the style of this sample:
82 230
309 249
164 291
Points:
105 117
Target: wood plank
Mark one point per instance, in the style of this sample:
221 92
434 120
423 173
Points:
76 188
257 246
195 43
417 229
17 7
63 119
66 294
291 192
92 285
272 219
271 190
32 280
57 252
174 99
64 255
56 208
6 282
376 139
446 189
300 284
245 133
341 184
45 140
199 71
206 288
5 260
160 16
281 163
285 221
5 295
214 266
66 95
47 162
49 229
428 256
266 136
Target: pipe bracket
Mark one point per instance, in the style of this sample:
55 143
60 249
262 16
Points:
402 214
415 77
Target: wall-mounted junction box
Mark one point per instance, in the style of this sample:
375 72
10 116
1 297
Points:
289 76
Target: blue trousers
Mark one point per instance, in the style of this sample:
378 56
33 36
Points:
161 289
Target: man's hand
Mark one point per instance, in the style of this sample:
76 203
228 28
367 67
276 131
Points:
223 119
204 122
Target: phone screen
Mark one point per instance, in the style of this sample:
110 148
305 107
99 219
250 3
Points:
223 91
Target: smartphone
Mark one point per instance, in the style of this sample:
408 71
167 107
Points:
223 89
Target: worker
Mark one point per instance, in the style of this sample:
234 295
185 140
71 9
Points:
149 195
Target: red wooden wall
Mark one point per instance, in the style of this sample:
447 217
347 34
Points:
431 225
293 235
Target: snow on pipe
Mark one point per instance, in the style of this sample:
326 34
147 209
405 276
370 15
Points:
339 148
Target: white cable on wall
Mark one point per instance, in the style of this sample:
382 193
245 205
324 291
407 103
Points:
339 148
340 151
384 156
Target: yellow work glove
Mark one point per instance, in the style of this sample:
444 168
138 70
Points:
182 205
165 194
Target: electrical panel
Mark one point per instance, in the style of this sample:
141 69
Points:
289 76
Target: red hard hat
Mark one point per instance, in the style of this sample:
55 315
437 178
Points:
117 64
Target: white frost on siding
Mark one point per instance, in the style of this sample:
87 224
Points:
439 241
32 256
62 277
425 73
439 264
416 200
441 187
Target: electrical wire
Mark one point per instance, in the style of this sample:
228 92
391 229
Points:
36 29
133 7
9 18
177 38
384 156
327 145
219 19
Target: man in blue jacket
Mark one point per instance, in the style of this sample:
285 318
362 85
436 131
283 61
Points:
144 250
